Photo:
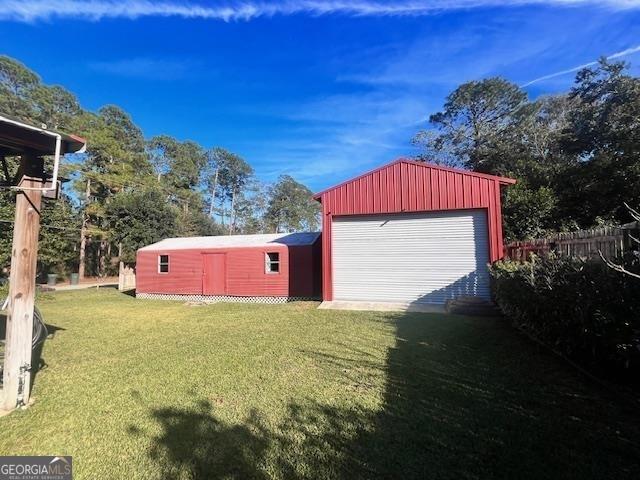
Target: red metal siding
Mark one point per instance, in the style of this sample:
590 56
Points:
184 277
301 274
409 186
246 275
245 271
214 273
316 268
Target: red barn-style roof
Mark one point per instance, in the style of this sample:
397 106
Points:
502 180
407 186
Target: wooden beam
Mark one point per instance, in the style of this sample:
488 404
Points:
22 286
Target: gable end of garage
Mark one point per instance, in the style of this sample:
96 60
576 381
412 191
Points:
407 186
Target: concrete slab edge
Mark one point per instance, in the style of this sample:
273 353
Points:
382 307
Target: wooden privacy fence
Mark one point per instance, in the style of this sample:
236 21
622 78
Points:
611 241
126 278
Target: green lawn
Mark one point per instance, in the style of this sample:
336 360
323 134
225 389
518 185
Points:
143 389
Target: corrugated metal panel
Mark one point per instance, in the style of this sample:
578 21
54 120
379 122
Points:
235 241
410 186
411 258
184 277
245 275
303 271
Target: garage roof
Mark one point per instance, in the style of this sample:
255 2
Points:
501 180
234 241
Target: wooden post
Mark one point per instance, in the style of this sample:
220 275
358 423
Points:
121 276
22 285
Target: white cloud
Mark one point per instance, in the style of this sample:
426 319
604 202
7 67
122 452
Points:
613 56
35 10
336 136
352 131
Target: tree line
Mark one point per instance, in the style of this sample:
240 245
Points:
127 191
576 155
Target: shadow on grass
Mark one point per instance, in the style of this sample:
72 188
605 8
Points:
464 399
194 443
37 361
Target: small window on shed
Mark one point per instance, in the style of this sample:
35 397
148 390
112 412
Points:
163 263
272 262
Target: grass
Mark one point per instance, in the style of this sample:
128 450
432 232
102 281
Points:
159 390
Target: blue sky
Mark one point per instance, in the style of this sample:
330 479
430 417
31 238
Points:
318 89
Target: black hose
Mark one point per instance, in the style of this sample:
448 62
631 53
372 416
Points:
40 332
39 335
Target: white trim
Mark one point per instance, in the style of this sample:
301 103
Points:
56 154
268 263
160 255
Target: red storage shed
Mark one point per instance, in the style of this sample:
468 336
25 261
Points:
267 267
411 233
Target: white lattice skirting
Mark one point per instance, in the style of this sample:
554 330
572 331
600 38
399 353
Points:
221 298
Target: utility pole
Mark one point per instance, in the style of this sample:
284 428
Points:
22 285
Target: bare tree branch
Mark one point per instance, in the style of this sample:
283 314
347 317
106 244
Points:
616 267
634 213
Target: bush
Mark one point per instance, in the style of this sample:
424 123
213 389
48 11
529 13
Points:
581 308
4 289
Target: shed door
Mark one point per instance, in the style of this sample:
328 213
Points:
214 274
411 258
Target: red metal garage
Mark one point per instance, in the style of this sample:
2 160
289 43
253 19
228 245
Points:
266 267
410 232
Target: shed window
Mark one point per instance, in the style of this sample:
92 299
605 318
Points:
163 263
272 262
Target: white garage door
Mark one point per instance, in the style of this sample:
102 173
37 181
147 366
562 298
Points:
411 258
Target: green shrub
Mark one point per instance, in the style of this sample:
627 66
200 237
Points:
4 289
581 308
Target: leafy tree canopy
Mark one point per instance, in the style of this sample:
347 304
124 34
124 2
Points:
291 207
138 219
127 191
576 155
